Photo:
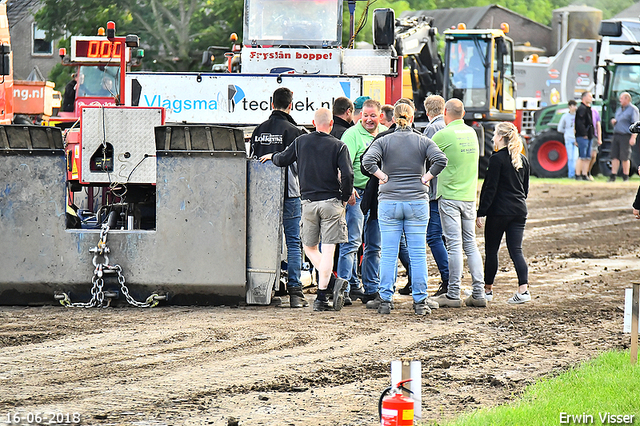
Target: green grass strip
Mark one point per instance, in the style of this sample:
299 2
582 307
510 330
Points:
606 385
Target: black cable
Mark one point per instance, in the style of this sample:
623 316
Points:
139 162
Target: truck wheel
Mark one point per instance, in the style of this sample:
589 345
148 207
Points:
547 155
483 162
21 119
604 165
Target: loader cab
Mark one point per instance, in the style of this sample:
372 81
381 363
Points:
619 78
100 65
479 71
98 81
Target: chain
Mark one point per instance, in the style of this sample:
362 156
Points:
97 292
151 301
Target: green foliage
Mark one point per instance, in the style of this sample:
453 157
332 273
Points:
61 75
607 384
174 33
364 21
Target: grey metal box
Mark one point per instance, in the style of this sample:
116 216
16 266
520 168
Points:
368 62
131 133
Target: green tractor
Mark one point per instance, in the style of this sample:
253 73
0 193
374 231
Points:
618 71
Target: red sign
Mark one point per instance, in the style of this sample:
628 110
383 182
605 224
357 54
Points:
96 49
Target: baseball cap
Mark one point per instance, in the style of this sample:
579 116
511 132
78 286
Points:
357 104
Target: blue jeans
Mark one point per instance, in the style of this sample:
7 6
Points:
371 256
584 148
348 262
572 156
291 222
411 217
435 241
403 255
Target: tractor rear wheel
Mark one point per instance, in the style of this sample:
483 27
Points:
547 155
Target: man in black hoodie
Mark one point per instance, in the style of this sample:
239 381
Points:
275 135
584 134
326 183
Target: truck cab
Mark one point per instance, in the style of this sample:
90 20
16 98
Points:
479 71
100 64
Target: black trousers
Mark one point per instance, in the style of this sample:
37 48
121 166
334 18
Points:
495 228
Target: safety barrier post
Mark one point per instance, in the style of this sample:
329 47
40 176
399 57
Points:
634 323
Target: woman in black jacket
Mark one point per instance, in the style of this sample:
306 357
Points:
503 203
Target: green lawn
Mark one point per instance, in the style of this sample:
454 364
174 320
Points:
607 384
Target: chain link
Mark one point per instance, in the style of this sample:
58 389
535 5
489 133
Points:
97 292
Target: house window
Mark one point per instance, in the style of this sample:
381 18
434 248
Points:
41 46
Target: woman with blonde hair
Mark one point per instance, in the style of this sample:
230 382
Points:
503 203
403 202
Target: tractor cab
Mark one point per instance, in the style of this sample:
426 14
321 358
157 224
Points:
100 64
479 71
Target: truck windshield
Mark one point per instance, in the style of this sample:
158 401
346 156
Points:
98 81
627 79
292 22
467 72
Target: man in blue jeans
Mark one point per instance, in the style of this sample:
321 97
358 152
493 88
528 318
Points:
275 135
357 138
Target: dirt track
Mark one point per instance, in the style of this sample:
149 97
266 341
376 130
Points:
278 366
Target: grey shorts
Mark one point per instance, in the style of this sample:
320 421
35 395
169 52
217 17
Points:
323 221
620 148
594 145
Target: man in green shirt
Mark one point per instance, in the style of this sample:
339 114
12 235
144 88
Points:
457 187
357 138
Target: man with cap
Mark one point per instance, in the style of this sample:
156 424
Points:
357 139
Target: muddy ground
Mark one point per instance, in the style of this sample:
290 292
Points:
279 366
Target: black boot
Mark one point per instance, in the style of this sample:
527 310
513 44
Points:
296 298
406 290
444 287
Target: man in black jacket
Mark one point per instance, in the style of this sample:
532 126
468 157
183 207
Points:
342 116
69 97
275 135
325 194
584 134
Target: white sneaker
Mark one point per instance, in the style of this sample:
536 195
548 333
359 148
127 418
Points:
518 298
468 292
432 304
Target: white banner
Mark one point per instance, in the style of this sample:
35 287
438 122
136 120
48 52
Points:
291 61
234 99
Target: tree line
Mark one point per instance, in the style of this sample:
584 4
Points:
174 33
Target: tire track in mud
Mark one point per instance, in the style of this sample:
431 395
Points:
273 366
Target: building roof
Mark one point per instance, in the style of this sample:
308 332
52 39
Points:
471 16
17 10
632 11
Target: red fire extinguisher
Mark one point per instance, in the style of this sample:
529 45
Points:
394 408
